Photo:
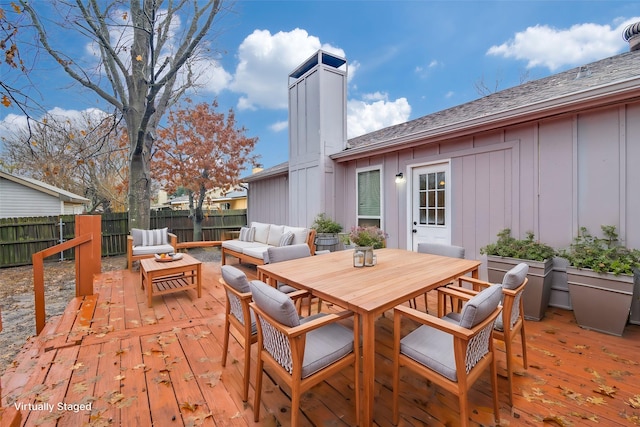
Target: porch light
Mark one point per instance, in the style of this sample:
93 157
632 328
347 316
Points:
399 177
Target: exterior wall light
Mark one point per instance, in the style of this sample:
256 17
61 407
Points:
399 177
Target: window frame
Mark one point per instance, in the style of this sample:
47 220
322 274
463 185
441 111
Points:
380 217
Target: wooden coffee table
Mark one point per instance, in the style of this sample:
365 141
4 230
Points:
162 277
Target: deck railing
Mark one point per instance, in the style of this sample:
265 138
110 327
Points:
88 262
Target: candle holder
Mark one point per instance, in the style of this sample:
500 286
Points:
363 256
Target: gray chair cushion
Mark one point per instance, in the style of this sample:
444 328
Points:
325 346
433 348
514 277
441 249
286 253
150 250
275 303
480 306
235 278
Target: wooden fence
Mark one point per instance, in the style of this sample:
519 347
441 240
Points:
22 237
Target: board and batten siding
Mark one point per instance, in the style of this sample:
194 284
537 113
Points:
549 176
21 201
268 200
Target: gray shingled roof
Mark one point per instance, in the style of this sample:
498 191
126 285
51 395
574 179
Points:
605 72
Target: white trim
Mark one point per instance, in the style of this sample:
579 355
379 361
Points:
409 195
367 169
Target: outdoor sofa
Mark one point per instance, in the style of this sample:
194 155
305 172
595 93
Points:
254 241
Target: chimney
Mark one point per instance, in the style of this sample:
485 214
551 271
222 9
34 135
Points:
631 34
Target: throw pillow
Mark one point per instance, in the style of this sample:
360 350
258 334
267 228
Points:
286 239
155 237
247 234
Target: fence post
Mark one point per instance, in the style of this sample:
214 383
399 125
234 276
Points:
88 256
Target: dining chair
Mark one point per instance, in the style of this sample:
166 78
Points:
511 322
302 352
448 352
287 253
441 249
239 315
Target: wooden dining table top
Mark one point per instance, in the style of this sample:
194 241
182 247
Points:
399 275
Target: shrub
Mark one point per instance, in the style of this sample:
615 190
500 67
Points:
603 255
528 248
323 224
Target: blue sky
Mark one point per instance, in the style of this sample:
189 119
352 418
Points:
406 59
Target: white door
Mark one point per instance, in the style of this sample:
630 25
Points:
431 204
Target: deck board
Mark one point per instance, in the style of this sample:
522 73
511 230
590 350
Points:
162 365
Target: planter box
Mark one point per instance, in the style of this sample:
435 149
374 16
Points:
559 287
635 303
601 302
326 241
537 292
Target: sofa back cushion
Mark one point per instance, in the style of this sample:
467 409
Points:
275 233
300 234
262 232
155 237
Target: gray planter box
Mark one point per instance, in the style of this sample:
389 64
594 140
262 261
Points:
559 287
326 241
601 302
537 292
634 317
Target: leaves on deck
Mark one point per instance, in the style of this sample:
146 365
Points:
607 390
634 401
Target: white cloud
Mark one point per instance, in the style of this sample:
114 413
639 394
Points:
364 118
265 61
279 126
553 48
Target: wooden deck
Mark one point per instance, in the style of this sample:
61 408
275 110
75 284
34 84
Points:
113 361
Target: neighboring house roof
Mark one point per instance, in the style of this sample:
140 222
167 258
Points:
237 193
63 195
277 170
599 82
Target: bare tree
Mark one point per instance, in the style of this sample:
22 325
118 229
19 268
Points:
146 49
84 155
483 89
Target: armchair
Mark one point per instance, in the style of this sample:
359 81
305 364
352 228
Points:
511 322
239 315
302 352
146 243
452 354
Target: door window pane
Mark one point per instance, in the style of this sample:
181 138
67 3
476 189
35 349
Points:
432 201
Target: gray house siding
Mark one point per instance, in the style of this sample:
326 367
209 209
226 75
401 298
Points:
268 200
20 201
548 176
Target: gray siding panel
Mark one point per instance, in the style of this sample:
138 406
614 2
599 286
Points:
19 201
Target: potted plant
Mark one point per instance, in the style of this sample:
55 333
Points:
368 236
600 278
507 252
326 231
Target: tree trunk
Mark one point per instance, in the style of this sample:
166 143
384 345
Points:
139 193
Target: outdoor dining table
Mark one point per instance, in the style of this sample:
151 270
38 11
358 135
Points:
398 276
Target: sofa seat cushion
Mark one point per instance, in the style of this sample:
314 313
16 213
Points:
259 252
240 246
150 250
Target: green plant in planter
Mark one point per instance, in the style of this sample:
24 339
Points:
602 255
509 246
324 224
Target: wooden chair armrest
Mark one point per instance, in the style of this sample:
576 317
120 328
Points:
430 320
296 295
463 293
477 284
318 323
